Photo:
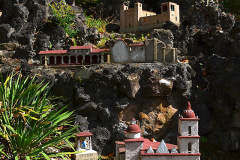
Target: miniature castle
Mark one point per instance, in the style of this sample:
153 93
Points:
153 50
136 147
83 55
137 19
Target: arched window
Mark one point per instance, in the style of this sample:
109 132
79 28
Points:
189 131
189 148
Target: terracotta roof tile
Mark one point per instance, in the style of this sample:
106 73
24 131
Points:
84 134
54 52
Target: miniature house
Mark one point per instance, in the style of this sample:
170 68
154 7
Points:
84 145
76 55
153 50
135 147
137 19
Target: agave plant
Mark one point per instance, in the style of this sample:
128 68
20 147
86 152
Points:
29 123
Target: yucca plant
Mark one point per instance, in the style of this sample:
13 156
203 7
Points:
29 123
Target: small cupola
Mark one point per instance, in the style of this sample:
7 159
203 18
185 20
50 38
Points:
133 130
188 113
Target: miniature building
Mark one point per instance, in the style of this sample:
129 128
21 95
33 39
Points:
84 144
137 147
85 55
137 19
153 50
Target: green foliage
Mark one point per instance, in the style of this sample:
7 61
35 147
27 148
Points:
29 122
231 6
97 23
65 17
101 43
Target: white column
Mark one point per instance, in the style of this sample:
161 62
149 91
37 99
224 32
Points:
62 59
69 59
90 59
48 62
83 59
76 59
55 60
90 143
102 58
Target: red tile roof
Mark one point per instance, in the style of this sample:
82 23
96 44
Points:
99 50
54 52
84 134
80 47
120 142
133 128
147 143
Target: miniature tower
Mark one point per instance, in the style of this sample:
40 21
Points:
133 131
188 139
122 16
137 13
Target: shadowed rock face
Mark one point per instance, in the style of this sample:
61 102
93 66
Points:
106 97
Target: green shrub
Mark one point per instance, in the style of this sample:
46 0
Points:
65 17
29 123
97 23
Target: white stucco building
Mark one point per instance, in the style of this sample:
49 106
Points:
152 50
135 147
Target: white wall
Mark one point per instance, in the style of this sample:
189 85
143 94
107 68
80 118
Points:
170 158
137 54
133 150
183 145
183 128
133 135
120 53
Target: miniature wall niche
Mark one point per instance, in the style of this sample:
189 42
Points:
189 148
189 131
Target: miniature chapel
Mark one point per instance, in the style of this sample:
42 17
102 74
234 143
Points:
135 147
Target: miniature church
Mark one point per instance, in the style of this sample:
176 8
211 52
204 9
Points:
135 147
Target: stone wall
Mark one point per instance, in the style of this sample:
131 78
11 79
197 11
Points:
170 158
137 54
141 28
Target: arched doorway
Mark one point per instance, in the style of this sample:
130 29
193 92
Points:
80 58
87 59
43 60
51 60
105 57
73 59
94 59
66 59
59 60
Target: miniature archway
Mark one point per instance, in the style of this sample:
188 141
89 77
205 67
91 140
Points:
59 60
95 59
66 59
73 59
51 60
87 59
43 60
189 130
105 57
80 59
